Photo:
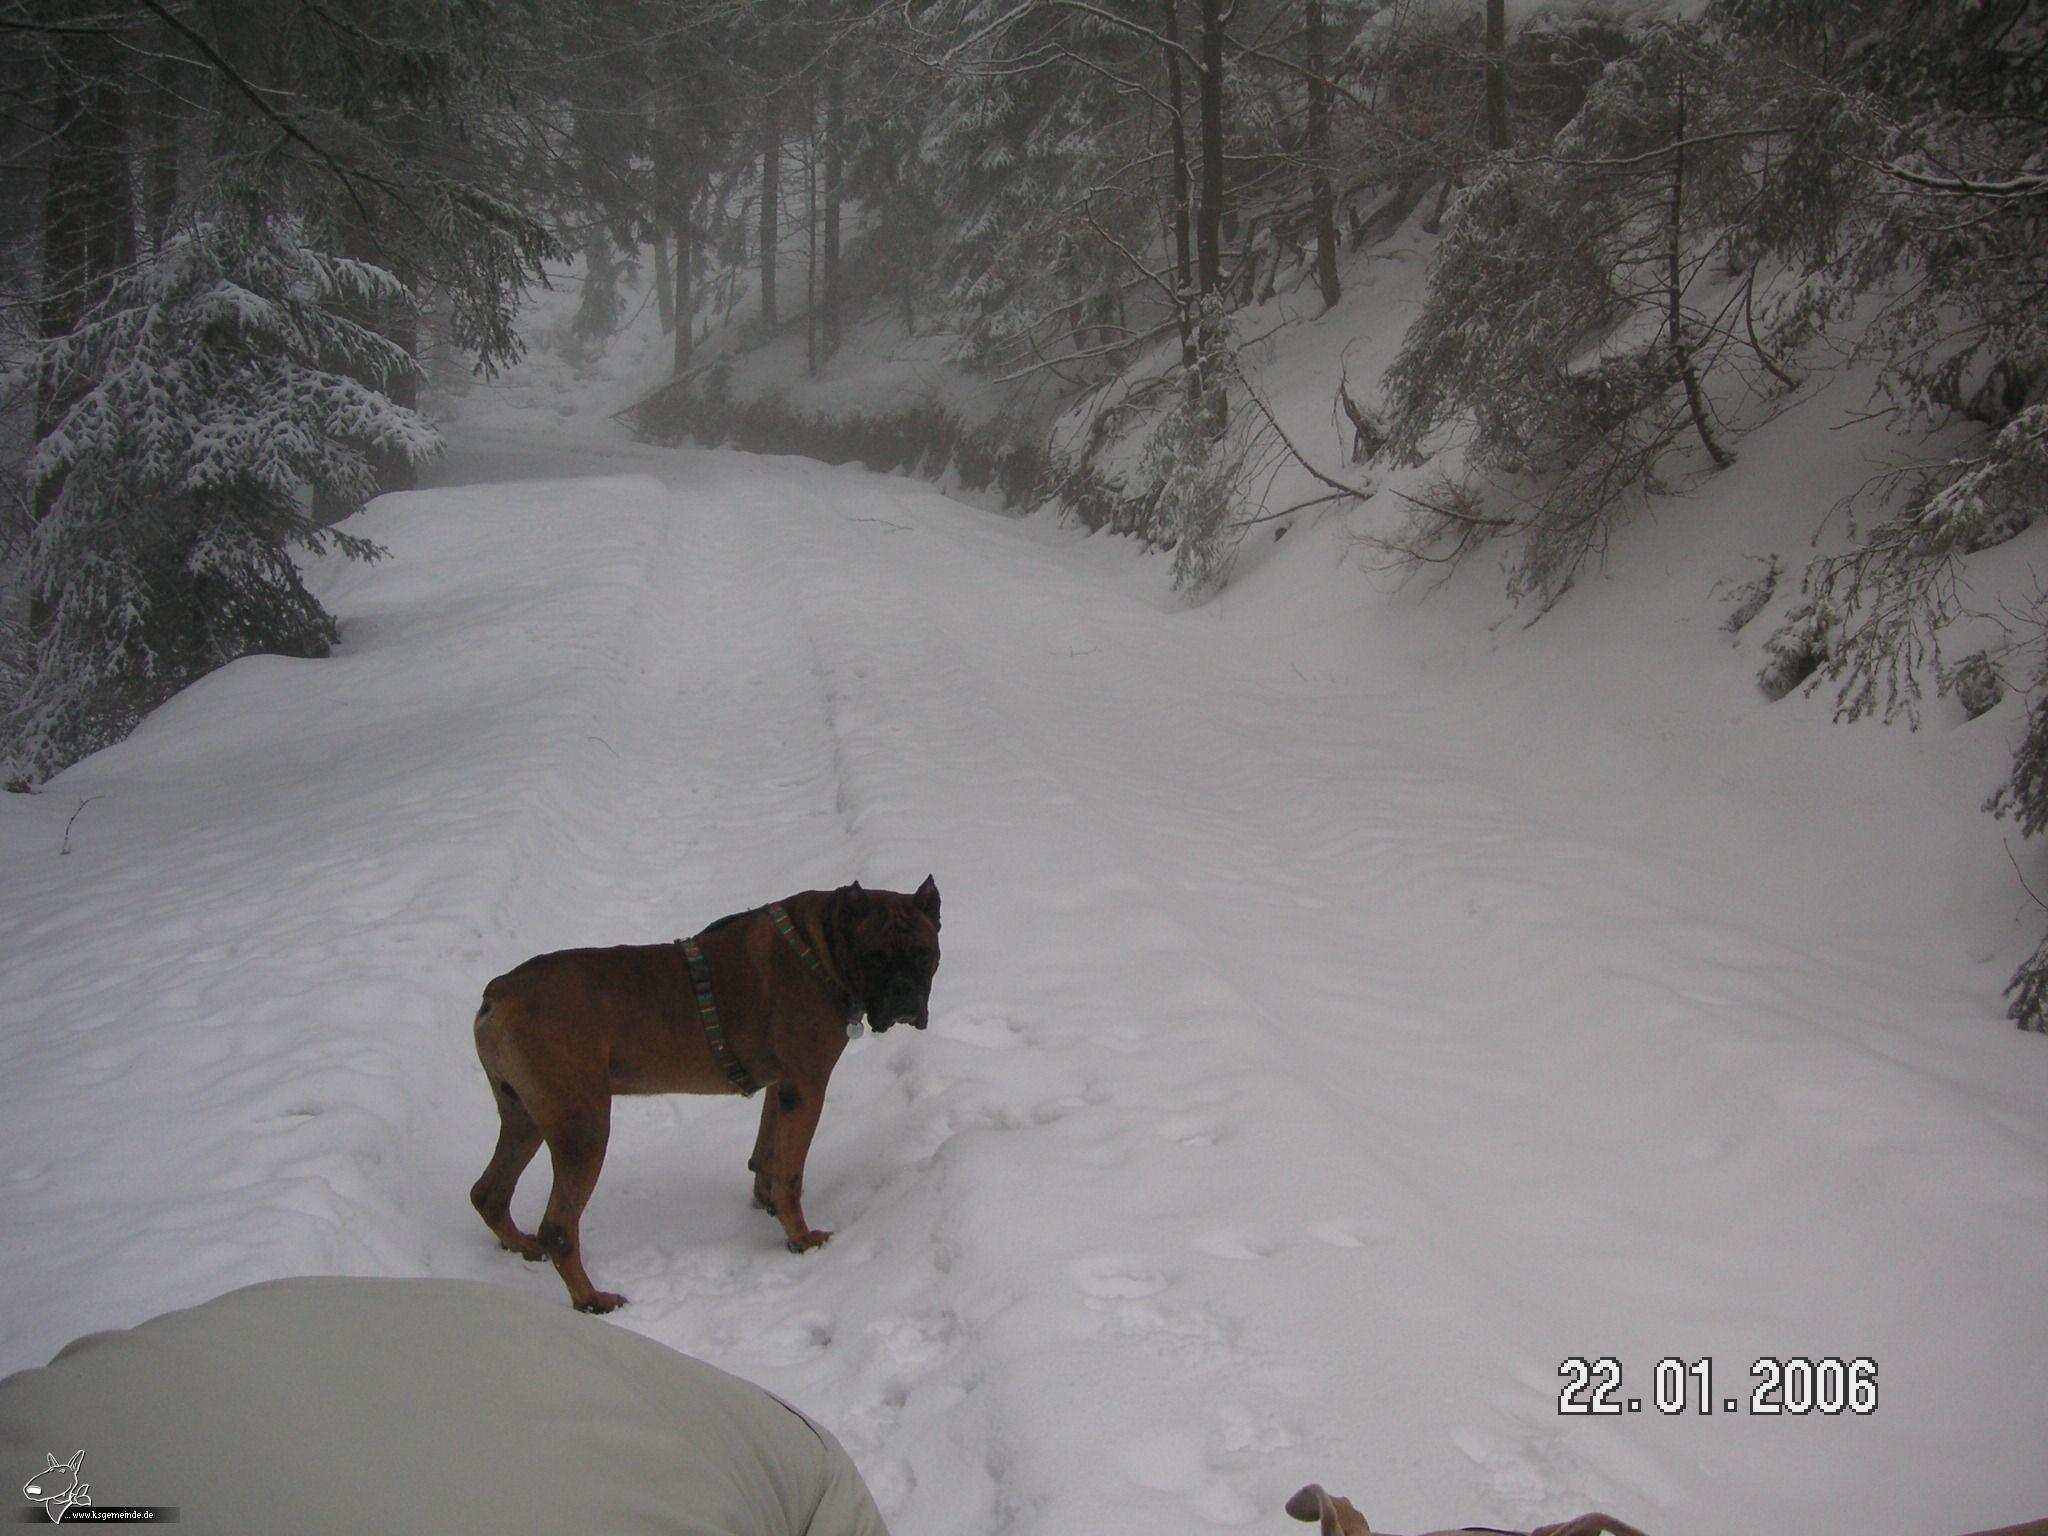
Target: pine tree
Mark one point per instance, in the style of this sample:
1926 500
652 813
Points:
192 391
215 382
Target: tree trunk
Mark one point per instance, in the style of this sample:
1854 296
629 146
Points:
88 227
1681 349
811 232
360 232
1435 222
1322 202
1177 131
771 202
1496 75
400 322
160 193
1209 209
664 284
662 129
398 319
686 308
835 131
1209 214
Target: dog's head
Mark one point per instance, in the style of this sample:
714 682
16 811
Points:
889 946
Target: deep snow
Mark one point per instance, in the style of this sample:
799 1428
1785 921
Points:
1355 1004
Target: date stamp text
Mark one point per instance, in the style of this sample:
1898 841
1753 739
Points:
1792 1385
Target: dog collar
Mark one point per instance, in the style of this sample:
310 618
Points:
787 929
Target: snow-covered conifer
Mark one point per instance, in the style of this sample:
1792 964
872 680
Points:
214 390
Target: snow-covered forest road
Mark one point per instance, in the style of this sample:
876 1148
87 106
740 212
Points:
1340 1026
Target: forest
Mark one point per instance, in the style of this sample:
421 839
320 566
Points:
240 236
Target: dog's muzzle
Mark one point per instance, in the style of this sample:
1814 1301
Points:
899 994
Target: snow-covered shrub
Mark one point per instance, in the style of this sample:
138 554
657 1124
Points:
213 392
1192 470
2024 796
1894 593
602 312
1978 687
1092 499
923 436
1794 652
1898 590
1752 597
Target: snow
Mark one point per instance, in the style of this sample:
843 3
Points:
1356 1002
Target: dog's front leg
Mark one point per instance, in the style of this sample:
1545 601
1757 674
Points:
762 1163
794 1118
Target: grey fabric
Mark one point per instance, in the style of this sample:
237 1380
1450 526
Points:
354 1405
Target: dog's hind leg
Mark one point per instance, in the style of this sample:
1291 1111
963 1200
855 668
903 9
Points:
576 1142
518 1139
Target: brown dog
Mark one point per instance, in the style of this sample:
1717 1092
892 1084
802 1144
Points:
761 999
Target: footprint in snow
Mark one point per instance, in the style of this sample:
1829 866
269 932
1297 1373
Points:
915 1343
1122 1283
1349 1234
1230 1245
990 1031
1192 1132
797 1339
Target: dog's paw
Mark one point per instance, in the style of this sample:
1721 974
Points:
601 1302
809 1241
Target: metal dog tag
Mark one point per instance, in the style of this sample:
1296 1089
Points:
856 1026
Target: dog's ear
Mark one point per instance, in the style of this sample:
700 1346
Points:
1337 1517
853 902
926 899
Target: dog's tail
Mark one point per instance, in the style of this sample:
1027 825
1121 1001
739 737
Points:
490 1045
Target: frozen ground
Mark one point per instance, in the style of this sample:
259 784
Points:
1353 1006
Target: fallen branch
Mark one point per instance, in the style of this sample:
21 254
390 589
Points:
66 848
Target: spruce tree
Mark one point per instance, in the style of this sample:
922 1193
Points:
211 387
316 173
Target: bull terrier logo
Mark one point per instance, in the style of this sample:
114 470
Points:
57 1487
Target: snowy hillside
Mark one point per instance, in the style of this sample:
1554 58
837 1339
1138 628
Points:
1356 1005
